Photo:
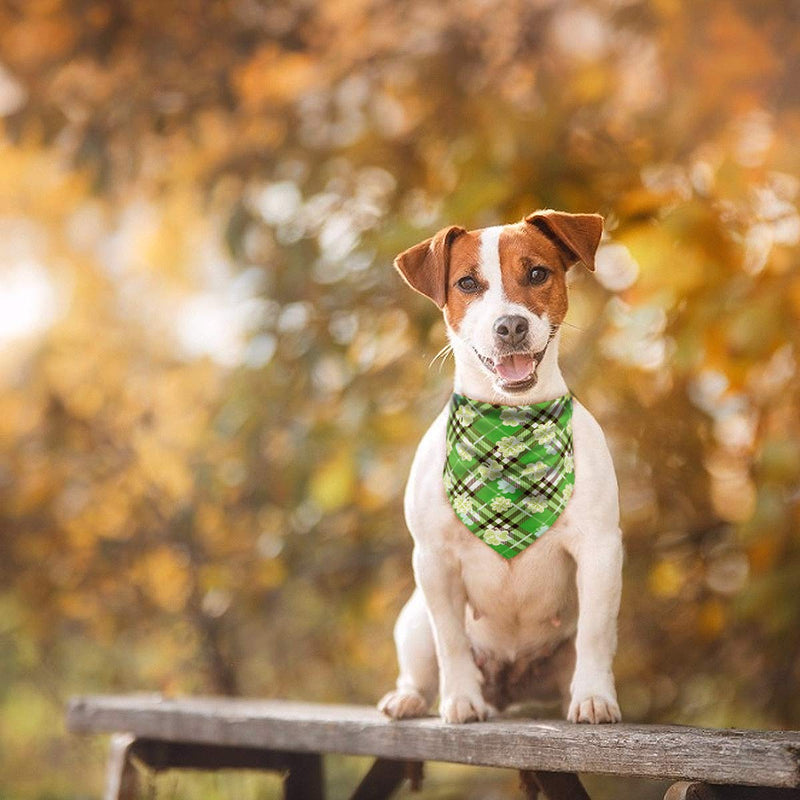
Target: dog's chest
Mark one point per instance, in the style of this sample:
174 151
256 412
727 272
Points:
514 605
522 604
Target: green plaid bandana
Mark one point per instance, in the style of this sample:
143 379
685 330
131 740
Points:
509 470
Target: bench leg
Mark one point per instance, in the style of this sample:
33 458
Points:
386 775
694 790
555 785
529 785
304 781
122 780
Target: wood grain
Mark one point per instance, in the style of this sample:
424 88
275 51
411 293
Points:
753 758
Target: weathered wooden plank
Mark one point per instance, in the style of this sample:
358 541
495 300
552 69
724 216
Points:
753 758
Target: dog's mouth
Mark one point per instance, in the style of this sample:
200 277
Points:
514 372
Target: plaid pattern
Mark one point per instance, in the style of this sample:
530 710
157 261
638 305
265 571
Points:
510 470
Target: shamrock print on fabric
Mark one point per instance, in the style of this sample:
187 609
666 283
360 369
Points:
501 503
533 506
514 416
496 536
510 446
462 505
466 415
489 471
535 470
546 433
465 451
510 470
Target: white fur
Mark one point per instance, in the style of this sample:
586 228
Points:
490 258
562 590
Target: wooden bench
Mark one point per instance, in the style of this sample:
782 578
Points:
216 733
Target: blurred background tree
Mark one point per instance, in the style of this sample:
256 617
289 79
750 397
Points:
213 383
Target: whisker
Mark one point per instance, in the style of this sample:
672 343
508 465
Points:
438 355
444 358
576 327
443 353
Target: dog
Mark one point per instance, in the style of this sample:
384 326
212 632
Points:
502 614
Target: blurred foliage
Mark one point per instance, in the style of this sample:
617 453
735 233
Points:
213 383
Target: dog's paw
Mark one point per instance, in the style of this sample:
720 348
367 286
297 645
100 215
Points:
403 704
464 707
595 709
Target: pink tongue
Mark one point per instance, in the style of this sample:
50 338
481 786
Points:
514 368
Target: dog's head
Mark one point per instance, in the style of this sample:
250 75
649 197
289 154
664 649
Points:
503 290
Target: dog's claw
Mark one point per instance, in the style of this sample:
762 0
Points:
462 708
400 704
594 709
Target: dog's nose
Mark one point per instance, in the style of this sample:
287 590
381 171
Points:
511 329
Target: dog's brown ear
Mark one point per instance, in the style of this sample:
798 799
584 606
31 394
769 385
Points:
426 265
578 234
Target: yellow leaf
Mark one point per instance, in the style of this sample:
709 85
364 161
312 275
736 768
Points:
332 485
712 618
665 580
270 573
665 262
274 75
164 573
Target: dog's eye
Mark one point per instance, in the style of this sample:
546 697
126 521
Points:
467 284
538 275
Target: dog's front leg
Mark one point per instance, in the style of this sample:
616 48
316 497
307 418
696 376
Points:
599 577
438 575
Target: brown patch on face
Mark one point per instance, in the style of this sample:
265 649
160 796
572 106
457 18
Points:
578 234
464 263
424 266
523 248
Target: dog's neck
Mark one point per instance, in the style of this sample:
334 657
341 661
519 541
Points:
472 379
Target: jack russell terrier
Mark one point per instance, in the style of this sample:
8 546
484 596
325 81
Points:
512 499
